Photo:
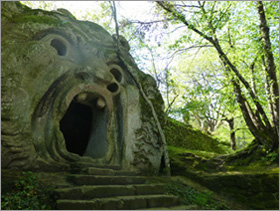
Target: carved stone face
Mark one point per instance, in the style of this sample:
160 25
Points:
68 98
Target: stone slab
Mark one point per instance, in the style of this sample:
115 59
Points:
91 192
105 180
100 171
116 203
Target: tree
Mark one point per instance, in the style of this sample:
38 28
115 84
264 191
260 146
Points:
208 102
210 23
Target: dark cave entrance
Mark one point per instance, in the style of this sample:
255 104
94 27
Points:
84 126
76 127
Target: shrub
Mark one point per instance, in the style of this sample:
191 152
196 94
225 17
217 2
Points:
27 195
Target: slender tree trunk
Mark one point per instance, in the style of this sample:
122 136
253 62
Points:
253 81
232 133
270 66
229 66
246 114
267 90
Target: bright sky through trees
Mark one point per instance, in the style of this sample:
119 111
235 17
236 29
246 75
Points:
132 9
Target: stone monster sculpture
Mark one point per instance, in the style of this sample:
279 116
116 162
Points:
71 94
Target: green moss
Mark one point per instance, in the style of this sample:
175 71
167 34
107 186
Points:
178 150
188 195
180 135
36 19
255 186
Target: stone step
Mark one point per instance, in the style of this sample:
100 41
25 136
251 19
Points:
104 171
180 207
99 171
78 167
79 179
119 203
124 173
90 192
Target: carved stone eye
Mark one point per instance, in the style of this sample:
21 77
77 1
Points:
59 46
60 43
117 74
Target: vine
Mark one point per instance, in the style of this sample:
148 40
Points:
128 68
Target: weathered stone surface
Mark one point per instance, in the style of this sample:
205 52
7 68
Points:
105 180
118 203
99 171
90 192
69 95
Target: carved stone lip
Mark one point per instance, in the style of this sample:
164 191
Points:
51 143
86 108
88 89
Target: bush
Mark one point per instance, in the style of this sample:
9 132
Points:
27 195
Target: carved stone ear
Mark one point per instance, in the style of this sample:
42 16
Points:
123 41
9 8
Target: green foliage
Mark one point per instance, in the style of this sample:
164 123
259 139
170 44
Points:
27 195
271 157
190 196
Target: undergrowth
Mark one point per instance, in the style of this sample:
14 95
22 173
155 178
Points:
27 195
190 196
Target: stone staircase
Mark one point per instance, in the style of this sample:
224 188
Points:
111 189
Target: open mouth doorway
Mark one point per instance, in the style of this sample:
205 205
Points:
84 127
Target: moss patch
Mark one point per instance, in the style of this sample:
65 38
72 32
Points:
195 196
36 19
247 179
180 135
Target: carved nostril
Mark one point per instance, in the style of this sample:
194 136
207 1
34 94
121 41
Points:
113 87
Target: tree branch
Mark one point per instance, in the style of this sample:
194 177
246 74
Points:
182 18
149 22
169 106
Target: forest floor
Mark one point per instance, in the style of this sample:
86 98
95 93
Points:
244 180
195 196
201 180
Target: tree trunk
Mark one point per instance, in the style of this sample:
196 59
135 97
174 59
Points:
270 66
267 89
232 133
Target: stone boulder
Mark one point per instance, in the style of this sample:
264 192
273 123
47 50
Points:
71 94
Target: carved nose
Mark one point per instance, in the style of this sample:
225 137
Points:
113 87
